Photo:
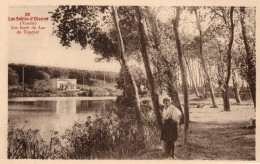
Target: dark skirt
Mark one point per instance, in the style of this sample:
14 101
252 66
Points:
169 131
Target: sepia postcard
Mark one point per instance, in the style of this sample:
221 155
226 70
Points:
139 81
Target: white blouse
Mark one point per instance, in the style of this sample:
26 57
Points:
171 112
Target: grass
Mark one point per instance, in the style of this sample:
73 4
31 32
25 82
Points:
213 141
229 141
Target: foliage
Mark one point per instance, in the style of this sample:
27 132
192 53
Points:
240 60
26 143
13 78
75 23
123 80
123 83
166 64
93 26
42 85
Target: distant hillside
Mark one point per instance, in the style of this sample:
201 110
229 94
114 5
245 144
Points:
39 76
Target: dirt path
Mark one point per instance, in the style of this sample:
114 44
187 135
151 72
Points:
214 134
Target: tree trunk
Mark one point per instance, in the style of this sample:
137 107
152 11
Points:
212 94
171 89
195 71
225 94
192 78
226 87
200 76
145 56
225 97
204 64
184 77
236 92
236 86
126 68
251 73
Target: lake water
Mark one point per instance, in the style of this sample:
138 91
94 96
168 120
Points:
58 113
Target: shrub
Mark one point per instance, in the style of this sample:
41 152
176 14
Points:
90 93
85 93
26 144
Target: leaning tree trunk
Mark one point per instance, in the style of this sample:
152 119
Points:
171 89
203 64
183 73
126 68
226 86
251 72
145 56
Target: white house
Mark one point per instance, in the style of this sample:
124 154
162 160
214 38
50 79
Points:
64 84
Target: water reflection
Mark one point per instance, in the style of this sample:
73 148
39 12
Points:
60 106
58 114
65 106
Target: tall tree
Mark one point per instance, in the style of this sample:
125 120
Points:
203 64
175 23
226 84
172 90
126 68
250 54
145 56
223 27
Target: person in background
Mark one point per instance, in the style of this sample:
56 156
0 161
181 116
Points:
171 119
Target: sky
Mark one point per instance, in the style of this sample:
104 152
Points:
44 48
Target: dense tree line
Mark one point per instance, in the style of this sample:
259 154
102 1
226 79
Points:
32 74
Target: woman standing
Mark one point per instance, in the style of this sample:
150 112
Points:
171 118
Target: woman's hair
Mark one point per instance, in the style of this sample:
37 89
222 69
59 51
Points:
166 99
